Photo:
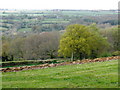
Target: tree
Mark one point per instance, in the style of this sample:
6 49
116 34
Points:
41 46
6 55
81 41
16 47
112 35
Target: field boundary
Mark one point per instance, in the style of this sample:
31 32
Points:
15 69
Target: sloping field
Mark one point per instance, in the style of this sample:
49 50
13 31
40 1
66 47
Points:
89 75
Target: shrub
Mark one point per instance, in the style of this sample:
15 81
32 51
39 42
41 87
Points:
116 53
106 54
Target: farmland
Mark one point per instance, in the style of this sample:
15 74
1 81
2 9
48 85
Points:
36 34
49 20
89 75
59 48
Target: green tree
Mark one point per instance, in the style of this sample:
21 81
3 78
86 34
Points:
81 41
112 35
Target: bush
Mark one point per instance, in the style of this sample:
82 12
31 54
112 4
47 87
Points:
116 53
106 54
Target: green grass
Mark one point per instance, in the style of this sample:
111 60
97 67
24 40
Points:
3 29
25 29
21 65
26 61
87 13
29 62
55 21
89 75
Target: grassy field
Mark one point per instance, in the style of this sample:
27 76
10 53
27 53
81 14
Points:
29 62
89 75
25 29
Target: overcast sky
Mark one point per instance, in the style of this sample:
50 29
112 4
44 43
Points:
59 4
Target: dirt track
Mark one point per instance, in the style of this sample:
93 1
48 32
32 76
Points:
14 69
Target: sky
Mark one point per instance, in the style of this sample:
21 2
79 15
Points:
60 4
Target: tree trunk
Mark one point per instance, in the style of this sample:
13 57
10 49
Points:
72 57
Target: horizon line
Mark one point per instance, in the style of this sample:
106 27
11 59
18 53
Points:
52 9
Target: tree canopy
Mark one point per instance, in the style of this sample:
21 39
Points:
81 41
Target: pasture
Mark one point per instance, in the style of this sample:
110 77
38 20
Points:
89 75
